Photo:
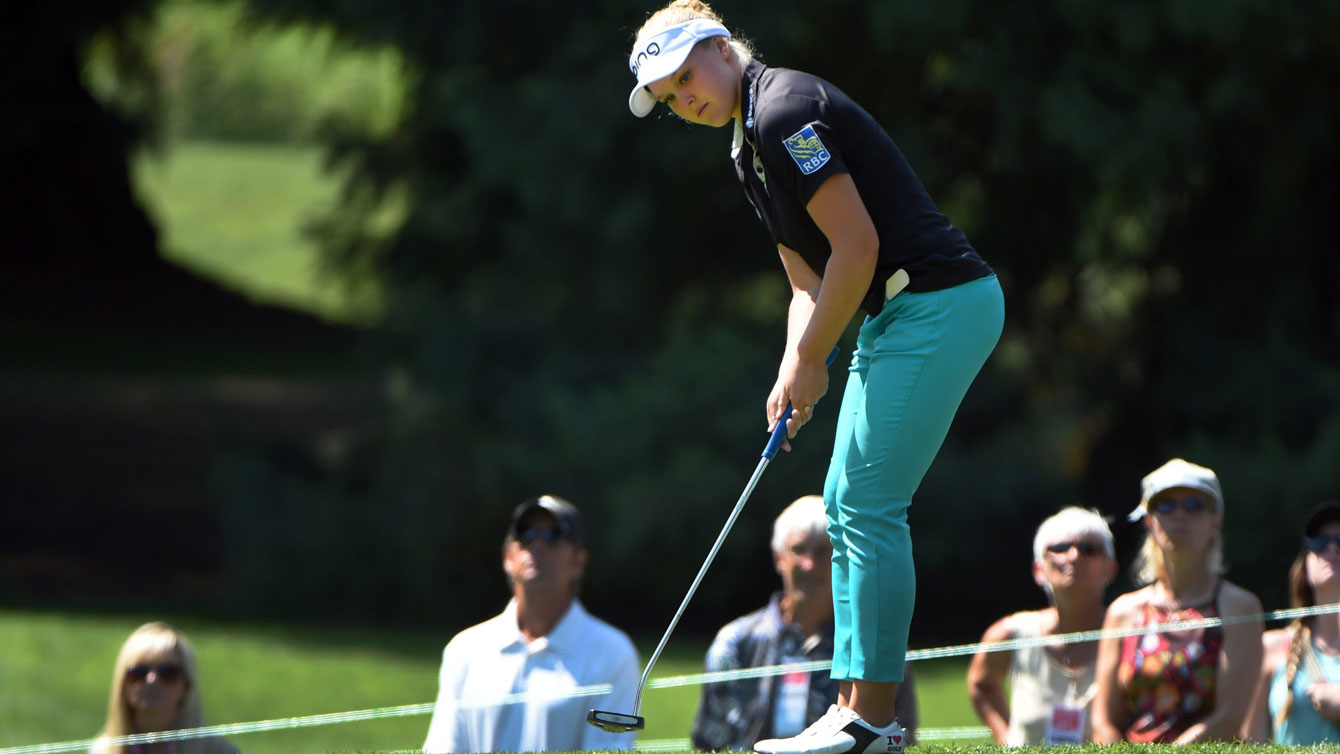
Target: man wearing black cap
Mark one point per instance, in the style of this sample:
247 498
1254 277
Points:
544 647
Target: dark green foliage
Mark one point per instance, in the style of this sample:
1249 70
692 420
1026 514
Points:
583 304
588 308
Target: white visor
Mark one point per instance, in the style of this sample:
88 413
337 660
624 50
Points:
661 54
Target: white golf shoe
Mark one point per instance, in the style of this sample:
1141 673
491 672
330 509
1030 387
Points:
839 731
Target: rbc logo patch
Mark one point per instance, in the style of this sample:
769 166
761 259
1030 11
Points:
807 150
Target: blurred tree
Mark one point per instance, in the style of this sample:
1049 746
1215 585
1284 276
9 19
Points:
83 476
68 152
218 74
1155 182
582 303
80 247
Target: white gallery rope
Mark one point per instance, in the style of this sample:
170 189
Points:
408 710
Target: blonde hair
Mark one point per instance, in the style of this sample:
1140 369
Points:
681 11
1300 630
157 637
1149 565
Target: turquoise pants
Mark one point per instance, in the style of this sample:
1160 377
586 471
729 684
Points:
912 366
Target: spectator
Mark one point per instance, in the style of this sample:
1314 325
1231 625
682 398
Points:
1298 695
155 687
544 644
1050 687
796 626
1178 686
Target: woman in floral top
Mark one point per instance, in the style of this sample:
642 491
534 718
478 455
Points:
1178 686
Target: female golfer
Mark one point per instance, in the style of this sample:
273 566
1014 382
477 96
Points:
853 225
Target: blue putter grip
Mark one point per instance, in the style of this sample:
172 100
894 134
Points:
779 432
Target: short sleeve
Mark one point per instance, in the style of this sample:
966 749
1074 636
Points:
799 144
446 731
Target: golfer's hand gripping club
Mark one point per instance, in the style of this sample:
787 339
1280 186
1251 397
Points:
779 431
618 722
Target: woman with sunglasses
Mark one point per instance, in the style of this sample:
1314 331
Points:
1298 695
155 688
1189 685
856 230
1050 687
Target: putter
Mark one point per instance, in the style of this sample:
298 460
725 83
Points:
618 722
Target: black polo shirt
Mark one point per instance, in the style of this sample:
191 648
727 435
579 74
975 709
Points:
799 131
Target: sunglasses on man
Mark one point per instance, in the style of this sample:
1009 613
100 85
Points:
1192 504
549 536
1318 543
167 672
1084 548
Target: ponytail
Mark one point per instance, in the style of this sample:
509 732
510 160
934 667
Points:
1300 638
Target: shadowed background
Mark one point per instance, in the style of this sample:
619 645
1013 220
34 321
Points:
302 296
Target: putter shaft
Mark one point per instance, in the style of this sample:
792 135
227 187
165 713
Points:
618 722
734 514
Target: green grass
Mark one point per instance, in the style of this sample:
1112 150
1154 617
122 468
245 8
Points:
55 673
237 214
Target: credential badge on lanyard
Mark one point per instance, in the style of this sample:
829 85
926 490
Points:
1065 726
791 708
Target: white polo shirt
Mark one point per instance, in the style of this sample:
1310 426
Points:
485 664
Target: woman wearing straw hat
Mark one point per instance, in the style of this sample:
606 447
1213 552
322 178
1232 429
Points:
1298 695
1188 685
855 229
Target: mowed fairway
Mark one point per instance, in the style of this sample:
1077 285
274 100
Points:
241 215
55 673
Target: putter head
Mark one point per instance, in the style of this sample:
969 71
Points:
615 722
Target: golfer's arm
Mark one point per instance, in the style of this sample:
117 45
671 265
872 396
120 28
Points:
986 688
804 292
839 212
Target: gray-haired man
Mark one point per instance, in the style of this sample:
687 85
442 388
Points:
795 626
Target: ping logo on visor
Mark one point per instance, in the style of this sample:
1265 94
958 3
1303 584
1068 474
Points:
806 149
636 60
662 53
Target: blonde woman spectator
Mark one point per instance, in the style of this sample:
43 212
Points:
1178 686
1050 687
156 687
1298 694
